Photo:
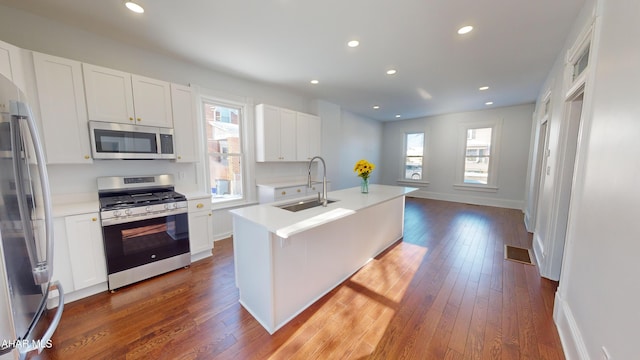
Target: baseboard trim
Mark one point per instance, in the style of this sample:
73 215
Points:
467 199
222 236
538 253
572 342
527 222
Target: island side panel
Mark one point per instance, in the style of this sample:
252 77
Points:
309 264
390 213
254 270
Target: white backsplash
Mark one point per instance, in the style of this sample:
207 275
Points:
274 172
80 180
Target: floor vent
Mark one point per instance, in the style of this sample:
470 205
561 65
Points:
517 254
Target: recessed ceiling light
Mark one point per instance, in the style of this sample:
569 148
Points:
134 7
314 81
398 116
353 43
465 29
391 72
483 88
489 103
376 107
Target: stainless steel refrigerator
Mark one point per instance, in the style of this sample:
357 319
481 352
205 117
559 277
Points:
26 233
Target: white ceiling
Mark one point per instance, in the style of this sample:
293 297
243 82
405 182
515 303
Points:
290 42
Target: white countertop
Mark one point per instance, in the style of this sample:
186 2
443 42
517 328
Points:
285 223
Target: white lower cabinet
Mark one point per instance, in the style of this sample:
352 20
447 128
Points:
200 228
271 193
78 254
86 250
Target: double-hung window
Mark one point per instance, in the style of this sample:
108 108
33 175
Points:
414 157
223 123
479 161
477 156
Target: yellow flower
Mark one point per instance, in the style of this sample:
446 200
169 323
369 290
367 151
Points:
363 168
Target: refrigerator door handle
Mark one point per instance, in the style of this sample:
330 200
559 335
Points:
45 342
43 271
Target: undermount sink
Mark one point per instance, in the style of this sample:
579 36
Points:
303 205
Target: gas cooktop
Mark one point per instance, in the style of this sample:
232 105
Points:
119 192
121 201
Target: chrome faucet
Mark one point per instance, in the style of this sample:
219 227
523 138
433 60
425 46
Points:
324 180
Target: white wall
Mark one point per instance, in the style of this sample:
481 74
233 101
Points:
347 138
361 139
443 150
597 301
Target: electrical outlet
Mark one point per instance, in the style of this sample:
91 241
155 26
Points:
605 354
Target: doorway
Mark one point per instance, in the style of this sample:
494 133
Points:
565 185
540 171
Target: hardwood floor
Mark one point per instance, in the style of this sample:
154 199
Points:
443 292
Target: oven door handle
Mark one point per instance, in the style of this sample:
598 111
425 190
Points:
147 216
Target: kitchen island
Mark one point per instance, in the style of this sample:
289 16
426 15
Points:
285 261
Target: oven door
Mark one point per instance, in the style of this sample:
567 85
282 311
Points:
141 242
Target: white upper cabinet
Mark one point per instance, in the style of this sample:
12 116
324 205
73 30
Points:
109 94
117 96
286 135
152 101
185 123
308 131
275 134
11 64
63 109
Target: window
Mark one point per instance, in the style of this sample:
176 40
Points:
581 64
478 161
413 156
477 156
224 149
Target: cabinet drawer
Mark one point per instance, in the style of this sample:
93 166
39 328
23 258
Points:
290 192
199 205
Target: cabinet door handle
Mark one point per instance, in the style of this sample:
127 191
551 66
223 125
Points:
284 192
209 214
94 219
199 206
139 119
130 119
87 157
298 190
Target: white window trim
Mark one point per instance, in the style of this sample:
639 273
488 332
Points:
494 164
425 153
246 107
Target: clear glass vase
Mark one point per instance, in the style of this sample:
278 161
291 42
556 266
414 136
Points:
364 186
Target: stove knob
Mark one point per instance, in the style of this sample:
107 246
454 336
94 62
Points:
166 206
127 212
172 206
116 213
148 208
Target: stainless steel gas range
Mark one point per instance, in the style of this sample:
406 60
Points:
144 226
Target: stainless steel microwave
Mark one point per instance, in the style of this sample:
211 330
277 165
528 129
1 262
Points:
126 141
